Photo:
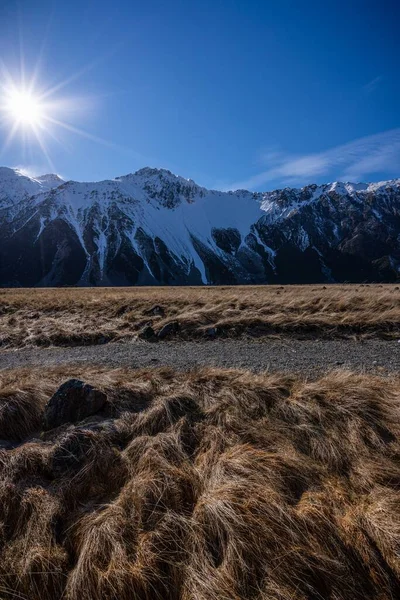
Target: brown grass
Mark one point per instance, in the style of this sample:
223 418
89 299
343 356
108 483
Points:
80 316
206 485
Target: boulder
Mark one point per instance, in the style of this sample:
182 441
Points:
147 333
74 401
169 329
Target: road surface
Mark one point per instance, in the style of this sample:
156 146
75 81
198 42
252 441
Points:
287 355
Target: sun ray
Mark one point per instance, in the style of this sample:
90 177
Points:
82 132
44 149
24 112
39 60
56 138
21 47
58 86
9 138
35 113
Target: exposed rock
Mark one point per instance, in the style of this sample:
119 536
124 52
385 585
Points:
169 329
211 332
156 311
147 333
227 239
73 401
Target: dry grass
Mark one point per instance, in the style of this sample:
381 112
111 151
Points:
206 485
81 316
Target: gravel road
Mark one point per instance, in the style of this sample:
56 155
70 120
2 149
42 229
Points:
306 356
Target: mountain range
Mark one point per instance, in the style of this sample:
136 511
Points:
155 228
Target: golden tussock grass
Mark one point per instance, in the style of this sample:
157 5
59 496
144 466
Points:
205 485
80 316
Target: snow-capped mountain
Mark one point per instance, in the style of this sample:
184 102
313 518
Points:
14 186
153 227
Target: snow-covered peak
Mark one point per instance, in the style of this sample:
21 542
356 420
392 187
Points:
50 179
351 188
163 186
154 174
281 203
16 186
382 186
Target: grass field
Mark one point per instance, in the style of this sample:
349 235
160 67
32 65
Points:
80 316
203 485
207 484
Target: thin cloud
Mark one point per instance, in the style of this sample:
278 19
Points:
352 161
373 84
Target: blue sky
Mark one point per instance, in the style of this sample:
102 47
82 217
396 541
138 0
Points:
231 93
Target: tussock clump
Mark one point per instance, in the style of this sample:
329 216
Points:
21 409
91 316
202 485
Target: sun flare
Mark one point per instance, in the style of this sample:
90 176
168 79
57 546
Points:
34 114
24 108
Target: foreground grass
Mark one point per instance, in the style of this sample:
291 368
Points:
202 486
81 316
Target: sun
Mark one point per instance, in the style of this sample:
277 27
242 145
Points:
33 113
24 108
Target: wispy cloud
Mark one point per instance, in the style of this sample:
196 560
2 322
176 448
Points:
355 160
373 84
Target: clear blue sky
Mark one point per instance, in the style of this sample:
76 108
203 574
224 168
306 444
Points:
244 93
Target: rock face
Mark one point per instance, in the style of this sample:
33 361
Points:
155 228
73 401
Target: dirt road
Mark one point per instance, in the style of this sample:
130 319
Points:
306 356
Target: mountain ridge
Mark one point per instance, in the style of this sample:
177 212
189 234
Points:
153 227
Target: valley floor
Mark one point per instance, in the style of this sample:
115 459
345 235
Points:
89 316
259 463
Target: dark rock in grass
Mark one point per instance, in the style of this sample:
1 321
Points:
147 333
168 330
211 333
73 401
7 445
156 311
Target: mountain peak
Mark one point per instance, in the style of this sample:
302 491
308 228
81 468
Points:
11 173
153 171
155 174
162 185
50 178
15 185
